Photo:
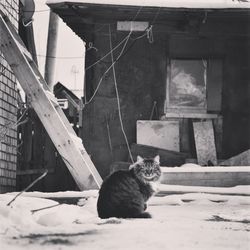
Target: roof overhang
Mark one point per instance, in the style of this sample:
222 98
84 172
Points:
79 15
208 4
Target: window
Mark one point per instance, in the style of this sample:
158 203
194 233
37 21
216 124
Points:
187 86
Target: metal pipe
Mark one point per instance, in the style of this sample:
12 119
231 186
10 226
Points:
51 50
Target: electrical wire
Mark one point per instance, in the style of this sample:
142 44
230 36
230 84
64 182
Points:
118 98
11 7
107 70
117 46
156 15
62 57
125 41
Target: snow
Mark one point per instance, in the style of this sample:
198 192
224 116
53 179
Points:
190 167
183 221
238 190
213 4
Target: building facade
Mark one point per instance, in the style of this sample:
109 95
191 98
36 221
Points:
8 110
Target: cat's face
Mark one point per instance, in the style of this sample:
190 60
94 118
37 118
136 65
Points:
147 169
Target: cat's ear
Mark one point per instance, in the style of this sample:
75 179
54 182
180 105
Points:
157 159
139 158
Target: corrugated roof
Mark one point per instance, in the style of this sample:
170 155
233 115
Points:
207 4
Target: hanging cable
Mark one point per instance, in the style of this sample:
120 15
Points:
156 15
62 57
154 110
125 41
118 98
117 46
108 69
149 32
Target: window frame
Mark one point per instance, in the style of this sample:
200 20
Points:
184 109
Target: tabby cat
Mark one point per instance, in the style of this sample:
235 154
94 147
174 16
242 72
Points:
124 193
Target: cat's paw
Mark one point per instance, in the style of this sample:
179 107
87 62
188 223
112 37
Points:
155 186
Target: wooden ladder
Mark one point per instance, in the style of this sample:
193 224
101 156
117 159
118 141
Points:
68 144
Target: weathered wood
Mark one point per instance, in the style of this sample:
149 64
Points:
189 115
214 88
206 176
167 157
242 159
178 189
75 156
204 142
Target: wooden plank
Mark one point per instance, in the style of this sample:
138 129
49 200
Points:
204 142
185 136
76 158
20 43
206 176
189 115
179 189
167 157
214 88
161 134
218 133
242 159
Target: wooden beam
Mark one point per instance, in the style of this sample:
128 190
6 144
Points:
167 157
206 176
74 155
178 189
204 142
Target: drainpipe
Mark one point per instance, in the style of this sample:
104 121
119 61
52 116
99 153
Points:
51 50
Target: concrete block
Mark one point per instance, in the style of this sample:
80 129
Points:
161 134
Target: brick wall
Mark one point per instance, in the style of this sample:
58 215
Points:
8 111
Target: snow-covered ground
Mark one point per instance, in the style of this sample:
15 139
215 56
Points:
186 221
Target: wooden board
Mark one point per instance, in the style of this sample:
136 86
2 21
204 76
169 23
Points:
189 115
214 88
206 176
167 157
242 159
161 134
204 142
69 146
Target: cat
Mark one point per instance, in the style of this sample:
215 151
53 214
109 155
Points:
124 193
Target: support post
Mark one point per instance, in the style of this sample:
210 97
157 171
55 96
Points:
51 50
